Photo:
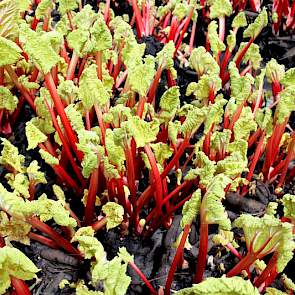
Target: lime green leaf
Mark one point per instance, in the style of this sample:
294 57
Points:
216 44
67 5
115 152
42 124
231 41
256 27
274 71
43 8
141 76
211 204
245 124
67 91
10 156
173 130
289 206
240 20
271 208
221 286
143 132
14 263
203 62
205 169
165 56
48 209
169 103
81 289
220 140
91 89
258 231
161 151
10 16
88 244
215 113
274 291
132 53
264 120
288 283
59 193
48 158
100 35
79 41
34 135
238 146
24 80
191 208
13 229
289 78
9 52
286 104
194 118
220 8
223 237
39 48
85 18
114 214
252 55
10 201
89 145
20 184
7 100
233 165
75 118
241 86
180 10
122 30
125 256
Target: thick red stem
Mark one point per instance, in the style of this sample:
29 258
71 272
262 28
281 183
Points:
138 17
72 66
20 287
90 205
176 259
43 240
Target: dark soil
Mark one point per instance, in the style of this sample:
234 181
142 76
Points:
152 255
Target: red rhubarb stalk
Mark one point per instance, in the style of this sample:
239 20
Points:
72 66
176 259
20 287
138 17
90 205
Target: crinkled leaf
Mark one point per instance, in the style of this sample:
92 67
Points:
114 214
194 118
221 286
289 78
141 76
216 44
67 91
173 130
169 103
48 158
231 41
91 89
211 204
88 244
240 20
165 56
220 8
9 15
20 184
9 52
161 151
223 237
10 201
191 208
14 263
75 117
89 145
254 29
43 8
10 156
241 86
7 100
34 135
274 71
203 62
39 48
143 132
252 55
286 104
205 169
67 5
85 18
13 229
245 124
289 206
100 35
258 231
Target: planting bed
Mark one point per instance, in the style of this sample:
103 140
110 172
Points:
147 147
